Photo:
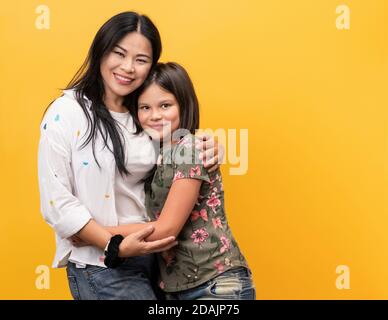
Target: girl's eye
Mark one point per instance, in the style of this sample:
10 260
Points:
141 61
165 106
143 108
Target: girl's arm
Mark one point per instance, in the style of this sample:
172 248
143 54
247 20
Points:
212 156
212 151
132 245
180 202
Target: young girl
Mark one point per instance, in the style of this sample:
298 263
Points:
184 199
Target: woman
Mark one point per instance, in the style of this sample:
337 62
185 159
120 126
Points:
92 166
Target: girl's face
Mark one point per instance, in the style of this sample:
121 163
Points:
158 112
125 68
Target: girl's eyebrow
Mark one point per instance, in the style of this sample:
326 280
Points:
160 102
139 55
165 101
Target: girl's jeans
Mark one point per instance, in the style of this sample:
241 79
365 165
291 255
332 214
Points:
234 284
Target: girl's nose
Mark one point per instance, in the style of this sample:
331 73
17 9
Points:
156 115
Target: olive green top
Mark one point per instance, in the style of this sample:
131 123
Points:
206 246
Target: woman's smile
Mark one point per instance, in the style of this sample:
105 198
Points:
123 80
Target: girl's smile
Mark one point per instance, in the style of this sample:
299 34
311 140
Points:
158 112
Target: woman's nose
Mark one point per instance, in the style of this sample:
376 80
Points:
128 66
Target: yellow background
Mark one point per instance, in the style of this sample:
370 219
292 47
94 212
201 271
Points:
313 98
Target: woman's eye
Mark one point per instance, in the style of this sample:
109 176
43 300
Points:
143 108
119 53
165 106
141 61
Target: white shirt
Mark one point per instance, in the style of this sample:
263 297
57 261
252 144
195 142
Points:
73 189
128 211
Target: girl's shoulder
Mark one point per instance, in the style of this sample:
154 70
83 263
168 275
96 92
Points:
186 160
187 145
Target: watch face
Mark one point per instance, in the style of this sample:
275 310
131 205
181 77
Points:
106 247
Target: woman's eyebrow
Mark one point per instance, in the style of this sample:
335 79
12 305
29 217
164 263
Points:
120 48
143 55
138 55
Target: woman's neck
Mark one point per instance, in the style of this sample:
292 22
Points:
114 103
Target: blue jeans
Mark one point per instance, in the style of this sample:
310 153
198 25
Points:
234 284
133 280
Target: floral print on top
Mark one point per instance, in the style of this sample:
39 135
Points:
206 246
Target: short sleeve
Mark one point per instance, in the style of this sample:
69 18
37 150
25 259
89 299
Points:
187 164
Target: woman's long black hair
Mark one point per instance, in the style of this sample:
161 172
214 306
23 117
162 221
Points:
88 81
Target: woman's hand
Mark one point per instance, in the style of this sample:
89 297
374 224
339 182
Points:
212 152
135 245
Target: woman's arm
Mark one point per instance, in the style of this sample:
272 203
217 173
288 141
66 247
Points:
60 207
94 234
180 202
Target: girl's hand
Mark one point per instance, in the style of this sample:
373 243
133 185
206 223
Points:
212 152
135 245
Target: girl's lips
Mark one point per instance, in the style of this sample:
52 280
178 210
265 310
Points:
122 80
157 127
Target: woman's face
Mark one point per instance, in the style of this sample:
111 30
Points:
158 112
125 68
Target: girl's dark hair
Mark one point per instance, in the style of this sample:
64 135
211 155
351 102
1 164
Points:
173 78
88 80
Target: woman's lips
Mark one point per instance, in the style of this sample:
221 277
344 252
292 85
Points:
122 79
